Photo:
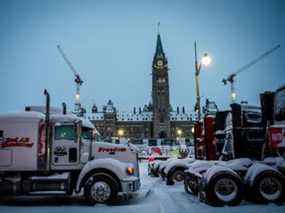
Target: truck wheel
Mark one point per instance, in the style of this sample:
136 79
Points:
101 189
190 188
268 187
225 189
177 176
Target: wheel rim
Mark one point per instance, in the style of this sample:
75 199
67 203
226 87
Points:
100 191
178 177
226 189
270 188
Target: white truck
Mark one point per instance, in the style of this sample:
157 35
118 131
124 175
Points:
52 154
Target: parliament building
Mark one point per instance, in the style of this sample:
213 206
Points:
154 120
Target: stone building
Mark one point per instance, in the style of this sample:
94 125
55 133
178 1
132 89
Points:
154 120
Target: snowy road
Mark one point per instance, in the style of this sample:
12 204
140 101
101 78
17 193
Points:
155 196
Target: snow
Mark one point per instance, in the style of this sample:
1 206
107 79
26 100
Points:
155 197
237 164
21 116
278 162
200 166
216 169
256 169
178 163
143 116
163 164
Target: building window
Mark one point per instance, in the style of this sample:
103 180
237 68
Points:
1 136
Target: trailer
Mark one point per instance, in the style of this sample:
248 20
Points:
52 154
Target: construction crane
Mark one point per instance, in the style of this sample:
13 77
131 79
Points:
78 81
231 78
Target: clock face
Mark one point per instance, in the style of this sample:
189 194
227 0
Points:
159 63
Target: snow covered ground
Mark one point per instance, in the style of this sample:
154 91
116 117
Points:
154 197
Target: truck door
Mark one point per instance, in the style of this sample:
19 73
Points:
66 144
86 143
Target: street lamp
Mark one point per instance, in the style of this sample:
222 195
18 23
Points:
121 133
77 97
193 130
233 96
179 132
205 61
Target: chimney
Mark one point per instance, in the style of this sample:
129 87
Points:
64 108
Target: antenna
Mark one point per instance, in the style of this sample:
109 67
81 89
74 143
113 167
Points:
158 27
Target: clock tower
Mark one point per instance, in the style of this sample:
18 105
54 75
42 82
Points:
160 93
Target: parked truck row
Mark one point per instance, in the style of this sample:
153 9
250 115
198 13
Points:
239 154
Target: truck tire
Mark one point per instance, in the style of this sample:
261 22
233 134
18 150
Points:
267 187
176 176
101 189
190 189
225 189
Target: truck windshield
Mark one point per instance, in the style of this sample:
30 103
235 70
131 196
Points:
253 117
279 111
86 133
66 132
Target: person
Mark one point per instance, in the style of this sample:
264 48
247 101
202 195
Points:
150 160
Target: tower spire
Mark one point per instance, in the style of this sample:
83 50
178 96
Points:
159 48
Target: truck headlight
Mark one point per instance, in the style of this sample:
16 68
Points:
130 170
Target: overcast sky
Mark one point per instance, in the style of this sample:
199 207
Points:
111 44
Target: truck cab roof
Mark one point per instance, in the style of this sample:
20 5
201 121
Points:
71 118
22 116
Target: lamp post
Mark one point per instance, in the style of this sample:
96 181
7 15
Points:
205 61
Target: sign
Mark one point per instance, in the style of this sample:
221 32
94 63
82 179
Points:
16 142
116 149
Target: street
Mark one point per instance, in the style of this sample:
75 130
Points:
154 196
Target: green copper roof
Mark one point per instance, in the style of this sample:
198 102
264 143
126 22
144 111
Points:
159 49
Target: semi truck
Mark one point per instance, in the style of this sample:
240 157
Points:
52 154
255 142
273 116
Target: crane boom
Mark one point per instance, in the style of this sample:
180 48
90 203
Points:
69 64
253 62
231 77
77 80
